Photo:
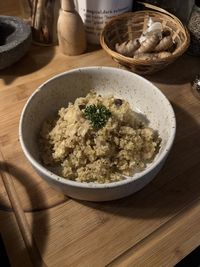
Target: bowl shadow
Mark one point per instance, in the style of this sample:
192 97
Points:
171 190
22 177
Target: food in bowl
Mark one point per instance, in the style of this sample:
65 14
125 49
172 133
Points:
57 92
98 139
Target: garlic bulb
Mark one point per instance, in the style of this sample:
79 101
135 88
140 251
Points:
153 28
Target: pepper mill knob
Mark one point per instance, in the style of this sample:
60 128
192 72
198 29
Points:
71 32
67 5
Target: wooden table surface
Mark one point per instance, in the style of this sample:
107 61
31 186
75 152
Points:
157 226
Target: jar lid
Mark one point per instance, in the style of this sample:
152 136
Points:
197 3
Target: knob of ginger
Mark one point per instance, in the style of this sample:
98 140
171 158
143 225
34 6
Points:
127 48
149 44
164 44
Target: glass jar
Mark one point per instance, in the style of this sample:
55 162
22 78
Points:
42 16
96 13
194 29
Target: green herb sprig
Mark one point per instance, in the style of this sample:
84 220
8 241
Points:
97 115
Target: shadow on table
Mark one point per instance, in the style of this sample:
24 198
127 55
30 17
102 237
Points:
36 58
36 228
93 47
183 70
174 187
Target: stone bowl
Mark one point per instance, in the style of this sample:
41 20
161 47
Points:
15 40
144 98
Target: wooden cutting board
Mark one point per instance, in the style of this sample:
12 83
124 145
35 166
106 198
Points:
76 233
157 226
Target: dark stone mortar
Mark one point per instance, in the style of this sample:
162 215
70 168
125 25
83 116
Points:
15 40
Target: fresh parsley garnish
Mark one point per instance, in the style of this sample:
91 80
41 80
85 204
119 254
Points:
97 115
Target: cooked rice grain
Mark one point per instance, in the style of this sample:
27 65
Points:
122 147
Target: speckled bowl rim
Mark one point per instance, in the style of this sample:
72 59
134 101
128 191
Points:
91 185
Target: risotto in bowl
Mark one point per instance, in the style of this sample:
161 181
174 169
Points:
97 133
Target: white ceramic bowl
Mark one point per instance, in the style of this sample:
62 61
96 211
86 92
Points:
58 91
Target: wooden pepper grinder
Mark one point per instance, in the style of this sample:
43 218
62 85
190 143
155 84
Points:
71 32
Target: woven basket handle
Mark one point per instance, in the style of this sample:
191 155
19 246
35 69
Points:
161 10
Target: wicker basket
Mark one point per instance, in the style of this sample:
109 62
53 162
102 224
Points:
131 25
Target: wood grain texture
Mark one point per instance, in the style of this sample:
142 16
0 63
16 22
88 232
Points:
24 227
18 255
10 8
161 248
157 226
